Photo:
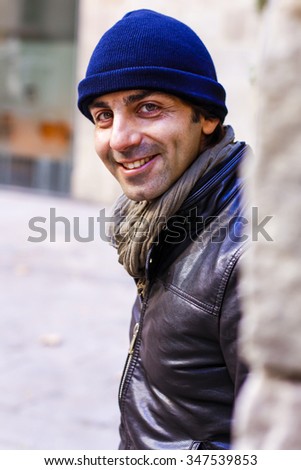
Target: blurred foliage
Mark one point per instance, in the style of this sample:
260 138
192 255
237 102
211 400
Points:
261 4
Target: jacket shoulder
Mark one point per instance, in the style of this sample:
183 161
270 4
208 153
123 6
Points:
200 274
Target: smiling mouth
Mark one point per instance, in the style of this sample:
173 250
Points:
137 163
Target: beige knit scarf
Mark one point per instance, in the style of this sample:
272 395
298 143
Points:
137 224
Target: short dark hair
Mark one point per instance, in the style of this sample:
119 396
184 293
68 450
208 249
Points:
208 112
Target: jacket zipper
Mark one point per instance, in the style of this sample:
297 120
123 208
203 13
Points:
133 341
129 358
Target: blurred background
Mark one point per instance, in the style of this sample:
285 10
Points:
65 305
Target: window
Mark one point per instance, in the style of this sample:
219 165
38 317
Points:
37 87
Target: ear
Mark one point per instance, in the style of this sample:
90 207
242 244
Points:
209 125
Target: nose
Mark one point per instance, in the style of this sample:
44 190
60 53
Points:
124 134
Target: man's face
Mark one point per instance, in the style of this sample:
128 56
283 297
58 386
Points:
146 139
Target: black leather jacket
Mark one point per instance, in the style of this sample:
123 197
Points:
182 371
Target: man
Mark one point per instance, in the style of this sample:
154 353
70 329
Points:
151 91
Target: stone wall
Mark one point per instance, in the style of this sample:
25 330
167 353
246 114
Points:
268 414
229 29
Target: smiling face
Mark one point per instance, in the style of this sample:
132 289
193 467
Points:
147 139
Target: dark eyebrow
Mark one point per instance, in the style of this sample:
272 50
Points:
140 95
132 98
99 104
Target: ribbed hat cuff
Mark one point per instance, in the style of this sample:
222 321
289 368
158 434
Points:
196 88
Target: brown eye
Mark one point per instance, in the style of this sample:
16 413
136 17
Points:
103 118
149 107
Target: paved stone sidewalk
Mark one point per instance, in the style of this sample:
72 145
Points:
64 318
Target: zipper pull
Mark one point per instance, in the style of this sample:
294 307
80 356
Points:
134 337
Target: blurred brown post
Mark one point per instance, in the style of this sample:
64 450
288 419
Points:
268 414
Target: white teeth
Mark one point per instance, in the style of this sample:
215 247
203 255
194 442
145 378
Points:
137 164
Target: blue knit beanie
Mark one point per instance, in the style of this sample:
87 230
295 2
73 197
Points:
148 50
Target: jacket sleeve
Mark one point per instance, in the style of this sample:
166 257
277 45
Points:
230 315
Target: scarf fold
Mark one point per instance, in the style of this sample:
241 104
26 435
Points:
137 225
